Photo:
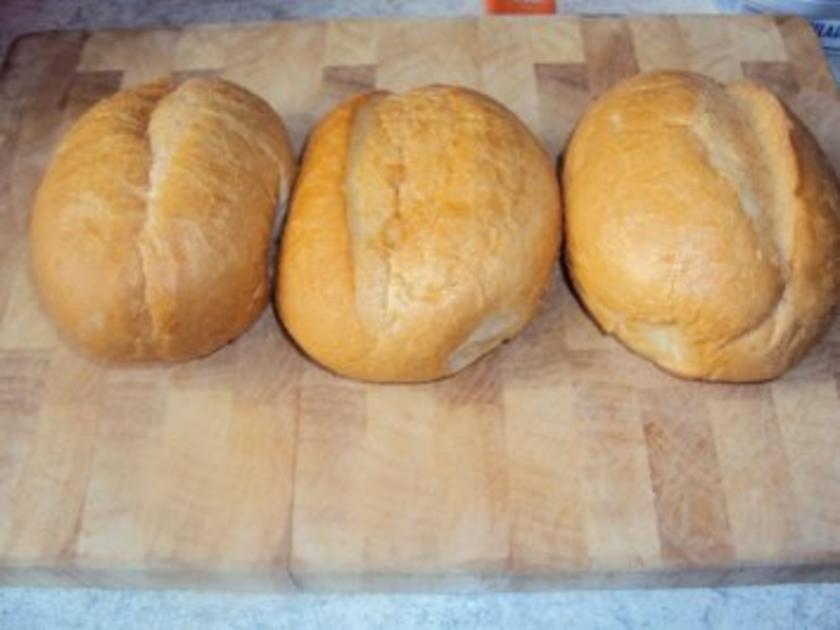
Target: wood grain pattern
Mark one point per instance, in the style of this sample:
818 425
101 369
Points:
561 459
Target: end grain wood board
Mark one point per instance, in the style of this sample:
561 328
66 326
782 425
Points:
561 459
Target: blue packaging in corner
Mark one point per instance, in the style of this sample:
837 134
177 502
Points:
824 16
829 34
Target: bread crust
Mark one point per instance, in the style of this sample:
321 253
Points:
703 226
423 232
151 228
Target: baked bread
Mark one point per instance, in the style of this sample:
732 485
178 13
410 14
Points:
151 228
703 226
423 231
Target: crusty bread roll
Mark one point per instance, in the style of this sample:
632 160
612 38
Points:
151 229
703 226
423 232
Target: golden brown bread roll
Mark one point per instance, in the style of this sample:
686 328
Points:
151 229
703 226
423 232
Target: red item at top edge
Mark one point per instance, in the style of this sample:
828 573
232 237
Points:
520 6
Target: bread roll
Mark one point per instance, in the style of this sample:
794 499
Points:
422 233
703 226
151 229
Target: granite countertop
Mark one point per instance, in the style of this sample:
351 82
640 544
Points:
768 607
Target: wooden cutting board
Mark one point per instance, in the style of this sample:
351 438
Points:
561 459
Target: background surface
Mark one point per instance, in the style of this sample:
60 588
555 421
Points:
768 608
